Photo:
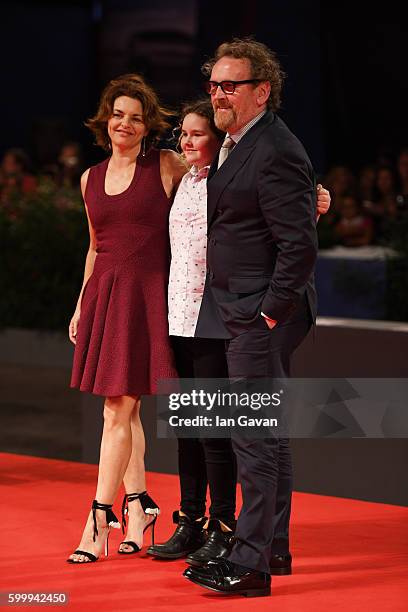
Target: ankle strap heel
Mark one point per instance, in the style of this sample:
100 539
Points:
148 505
111 519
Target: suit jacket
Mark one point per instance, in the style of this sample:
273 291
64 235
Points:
262 241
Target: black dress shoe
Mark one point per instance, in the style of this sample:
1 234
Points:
218 545
281 565
188 537
228 578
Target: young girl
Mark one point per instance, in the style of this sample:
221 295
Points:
201 461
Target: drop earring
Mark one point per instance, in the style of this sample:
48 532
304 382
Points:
143 146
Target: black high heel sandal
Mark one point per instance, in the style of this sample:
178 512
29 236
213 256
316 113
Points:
111 521
149 507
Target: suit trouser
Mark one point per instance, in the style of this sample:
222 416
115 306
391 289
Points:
205 461
264 465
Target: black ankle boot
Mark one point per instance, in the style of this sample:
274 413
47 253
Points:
219 544
188 536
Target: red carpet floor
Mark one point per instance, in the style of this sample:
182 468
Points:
348 555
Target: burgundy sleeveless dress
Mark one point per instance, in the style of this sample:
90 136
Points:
122 339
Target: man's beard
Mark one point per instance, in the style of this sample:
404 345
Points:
224 119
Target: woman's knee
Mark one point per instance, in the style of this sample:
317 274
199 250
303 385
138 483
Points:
118 411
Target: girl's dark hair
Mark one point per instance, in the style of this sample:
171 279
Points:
203 108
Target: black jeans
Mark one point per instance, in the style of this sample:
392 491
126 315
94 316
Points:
206 461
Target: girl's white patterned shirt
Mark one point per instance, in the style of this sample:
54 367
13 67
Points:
188 240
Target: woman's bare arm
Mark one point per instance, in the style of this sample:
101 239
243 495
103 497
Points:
89 263
172 170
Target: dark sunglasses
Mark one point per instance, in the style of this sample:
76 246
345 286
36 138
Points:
228 87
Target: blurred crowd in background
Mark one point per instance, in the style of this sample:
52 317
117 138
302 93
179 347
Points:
20 180
365 204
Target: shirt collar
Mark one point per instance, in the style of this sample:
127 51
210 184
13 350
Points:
236 136
197 174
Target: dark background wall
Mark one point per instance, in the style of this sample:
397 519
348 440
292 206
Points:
345 93
364 50
47 67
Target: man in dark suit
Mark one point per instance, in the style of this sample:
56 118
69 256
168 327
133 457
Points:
259 294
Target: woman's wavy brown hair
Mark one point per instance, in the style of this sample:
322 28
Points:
155 116
265 65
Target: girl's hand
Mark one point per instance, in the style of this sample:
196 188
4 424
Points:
323 200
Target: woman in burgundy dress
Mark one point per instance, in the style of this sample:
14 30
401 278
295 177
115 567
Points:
120 323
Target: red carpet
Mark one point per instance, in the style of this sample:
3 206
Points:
349 555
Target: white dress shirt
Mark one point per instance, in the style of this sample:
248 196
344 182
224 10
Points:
188 240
